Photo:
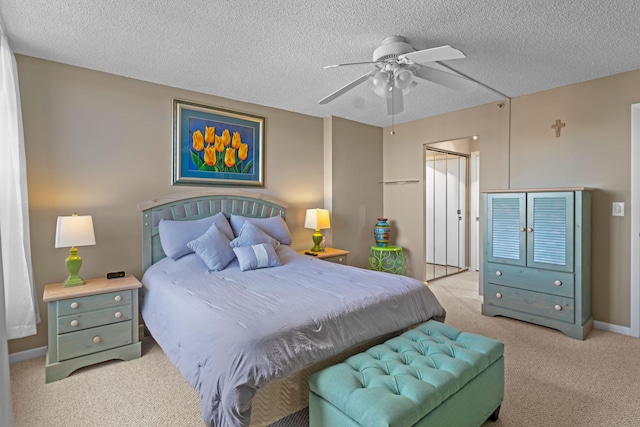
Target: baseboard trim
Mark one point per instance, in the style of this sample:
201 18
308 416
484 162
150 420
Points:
623 330
27 354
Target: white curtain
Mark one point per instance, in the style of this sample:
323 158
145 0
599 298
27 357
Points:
19 291
6 418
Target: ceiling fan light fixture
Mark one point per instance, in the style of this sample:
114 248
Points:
381 81
402 78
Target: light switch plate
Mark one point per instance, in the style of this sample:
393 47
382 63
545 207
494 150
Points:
617 209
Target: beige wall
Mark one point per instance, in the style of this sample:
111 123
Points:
594 150
99 144
353 171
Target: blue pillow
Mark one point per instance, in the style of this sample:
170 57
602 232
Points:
174 235
253 257
214 248
251 234
274 226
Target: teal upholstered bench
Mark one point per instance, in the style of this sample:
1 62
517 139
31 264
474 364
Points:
433 375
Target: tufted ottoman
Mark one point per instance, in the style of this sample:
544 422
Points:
433 375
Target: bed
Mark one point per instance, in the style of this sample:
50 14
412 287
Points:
247 338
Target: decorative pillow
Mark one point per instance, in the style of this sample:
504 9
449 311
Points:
274 226
257 256
214 248
251 234
174 235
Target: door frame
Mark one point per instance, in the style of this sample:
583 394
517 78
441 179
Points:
635 222
474 217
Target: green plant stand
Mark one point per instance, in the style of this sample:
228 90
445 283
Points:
388 258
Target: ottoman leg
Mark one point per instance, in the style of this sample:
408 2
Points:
494 415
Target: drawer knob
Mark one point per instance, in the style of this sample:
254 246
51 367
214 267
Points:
558 307
530 230
340 259
498 295
118 298
523 229
74 305
97 339
74 323
118 315
498 273
557 283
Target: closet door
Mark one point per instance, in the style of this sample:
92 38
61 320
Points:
506 228
550 223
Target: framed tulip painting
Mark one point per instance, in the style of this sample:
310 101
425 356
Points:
213 146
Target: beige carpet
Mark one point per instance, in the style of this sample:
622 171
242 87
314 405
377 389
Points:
551 380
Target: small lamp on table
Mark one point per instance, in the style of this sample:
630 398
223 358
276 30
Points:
317 219
73 231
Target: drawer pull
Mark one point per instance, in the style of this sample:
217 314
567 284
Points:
530 230
74 305
558 307
118 298
74 323
118 315
340 259
97 339
498 273
557 283
523 229
498 295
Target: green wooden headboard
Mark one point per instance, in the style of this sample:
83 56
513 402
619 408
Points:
196 205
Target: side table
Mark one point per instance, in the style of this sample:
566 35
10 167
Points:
388 258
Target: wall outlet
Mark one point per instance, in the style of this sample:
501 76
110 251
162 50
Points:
617 209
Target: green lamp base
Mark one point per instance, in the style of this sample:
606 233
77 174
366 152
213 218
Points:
317 239
74 262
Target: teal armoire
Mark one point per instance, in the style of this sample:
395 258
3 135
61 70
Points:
537 257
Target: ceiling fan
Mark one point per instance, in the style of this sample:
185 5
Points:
397 65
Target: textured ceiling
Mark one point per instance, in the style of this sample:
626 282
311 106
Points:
273 52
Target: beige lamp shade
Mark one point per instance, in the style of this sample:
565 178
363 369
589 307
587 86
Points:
75 230
317 219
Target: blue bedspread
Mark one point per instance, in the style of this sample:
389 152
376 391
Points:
232 332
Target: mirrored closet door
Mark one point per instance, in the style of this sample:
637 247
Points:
445 212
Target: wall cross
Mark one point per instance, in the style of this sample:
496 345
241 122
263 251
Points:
557 126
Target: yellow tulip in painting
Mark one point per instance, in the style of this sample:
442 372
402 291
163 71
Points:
209 134
243 151
226 138
230 157
198 141
209 156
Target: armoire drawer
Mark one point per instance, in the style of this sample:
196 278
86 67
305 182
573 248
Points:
532 279
539 304
75 344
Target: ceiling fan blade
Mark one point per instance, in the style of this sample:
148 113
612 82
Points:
446 79
395 103
345 88
349 63
441 53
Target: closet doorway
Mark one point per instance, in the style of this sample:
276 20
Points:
447 207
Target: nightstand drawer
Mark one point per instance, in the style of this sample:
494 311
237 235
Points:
538 304
75 344
93 302
342 259
80 321
549 282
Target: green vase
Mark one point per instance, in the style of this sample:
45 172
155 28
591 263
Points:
381 232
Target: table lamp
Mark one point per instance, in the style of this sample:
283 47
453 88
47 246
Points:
317 219
72 231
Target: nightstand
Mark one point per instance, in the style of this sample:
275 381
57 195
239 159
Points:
388 258
92 323
338 256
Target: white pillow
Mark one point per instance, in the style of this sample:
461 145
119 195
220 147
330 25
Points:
253 257
174 235
251 234
214 248
274 226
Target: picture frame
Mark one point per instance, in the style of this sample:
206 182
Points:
215 146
